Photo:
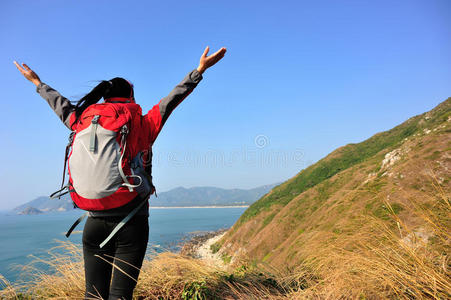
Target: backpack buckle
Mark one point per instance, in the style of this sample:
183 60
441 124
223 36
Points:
71 137
124 130
95 120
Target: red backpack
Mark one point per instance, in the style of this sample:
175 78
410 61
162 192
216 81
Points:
108 163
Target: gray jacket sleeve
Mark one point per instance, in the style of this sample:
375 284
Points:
180 92
60 105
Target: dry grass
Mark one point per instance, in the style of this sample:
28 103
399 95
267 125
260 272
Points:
65 279
386 260
163 276
172 276
8 291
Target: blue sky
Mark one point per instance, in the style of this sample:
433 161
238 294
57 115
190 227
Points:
299 79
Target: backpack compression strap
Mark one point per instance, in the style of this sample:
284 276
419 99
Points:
66 155
76 223
124 132
122 223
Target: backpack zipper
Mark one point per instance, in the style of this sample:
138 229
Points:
92 142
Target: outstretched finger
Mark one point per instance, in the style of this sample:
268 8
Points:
220 52
206 51
19 67
26 67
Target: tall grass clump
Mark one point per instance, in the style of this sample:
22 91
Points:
386 259
64 278
173 276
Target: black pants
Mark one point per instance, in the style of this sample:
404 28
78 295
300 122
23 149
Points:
125 250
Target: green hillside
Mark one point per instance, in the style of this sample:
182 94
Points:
390 191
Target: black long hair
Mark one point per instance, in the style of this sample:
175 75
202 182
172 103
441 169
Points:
116 87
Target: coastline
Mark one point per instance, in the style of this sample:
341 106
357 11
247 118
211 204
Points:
199 247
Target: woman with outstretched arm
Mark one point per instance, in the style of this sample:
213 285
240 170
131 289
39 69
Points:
127 247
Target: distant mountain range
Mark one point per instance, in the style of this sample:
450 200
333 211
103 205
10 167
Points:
209 196
178 197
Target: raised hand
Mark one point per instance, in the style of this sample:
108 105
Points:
28 73
208 61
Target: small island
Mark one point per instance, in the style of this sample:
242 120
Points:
30 211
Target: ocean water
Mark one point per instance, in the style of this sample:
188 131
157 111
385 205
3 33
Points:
24 236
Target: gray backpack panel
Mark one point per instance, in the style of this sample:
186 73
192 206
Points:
95 174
